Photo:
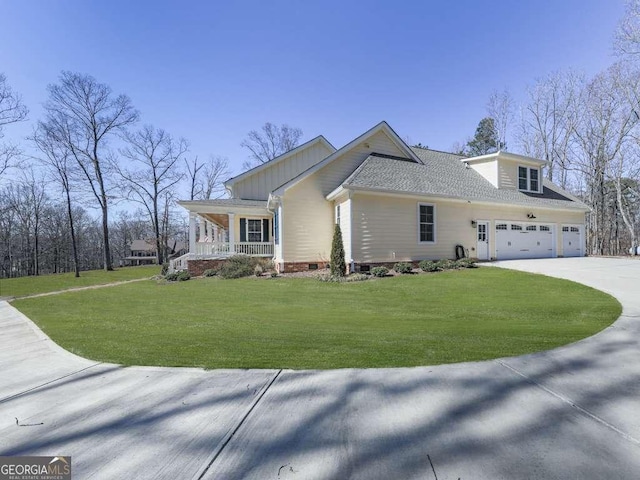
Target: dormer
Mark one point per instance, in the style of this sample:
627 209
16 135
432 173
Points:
509 171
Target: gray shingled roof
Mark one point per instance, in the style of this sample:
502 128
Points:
444 174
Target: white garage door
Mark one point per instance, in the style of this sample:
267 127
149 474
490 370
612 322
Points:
524 240
571 241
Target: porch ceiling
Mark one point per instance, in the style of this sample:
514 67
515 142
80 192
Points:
220 219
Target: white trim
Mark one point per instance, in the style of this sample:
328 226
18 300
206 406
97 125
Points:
319 139
427 242
506 156
381 127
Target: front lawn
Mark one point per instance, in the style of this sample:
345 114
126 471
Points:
300 323
19 287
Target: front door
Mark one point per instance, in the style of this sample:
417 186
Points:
483 241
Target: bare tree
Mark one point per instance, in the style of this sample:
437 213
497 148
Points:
605 126
84 113
548 120
193 170
500 107
206 179
627 36
152 173
58 160
12 110
215 172
271 142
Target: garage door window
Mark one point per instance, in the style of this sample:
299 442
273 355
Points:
515 226
501 226
545 228
531 228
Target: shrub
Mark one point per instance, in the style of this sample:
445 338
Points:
403 267
266 264
446 264
171 277
356 277
180 276
329 278
238 266
466 263
210 272
257 270
338 264
379 271
428 266
183 276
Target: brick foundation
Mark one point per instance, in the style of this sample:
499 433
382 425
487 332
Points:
197 267
388 265
292 267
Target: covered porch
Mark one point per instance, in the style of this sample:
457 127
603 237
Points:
225 227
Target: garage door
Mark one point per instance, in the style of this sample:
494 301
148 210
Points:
571 241
524 240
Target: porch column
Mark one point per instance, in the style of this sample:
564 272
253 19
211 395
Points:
192 232
215 233
232 233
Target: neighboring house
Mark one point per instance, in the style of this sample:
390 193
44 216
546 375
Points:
393 203
143 252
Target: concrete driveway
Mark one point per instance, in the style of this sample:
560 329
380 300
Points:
573 412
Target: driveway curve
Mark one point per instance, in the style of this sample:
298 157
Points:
572 412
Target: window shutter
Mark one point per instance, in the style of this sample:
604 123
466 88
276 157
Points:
265 229
243 229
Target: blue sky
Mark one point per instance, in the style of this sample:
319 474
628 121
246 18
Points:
212 71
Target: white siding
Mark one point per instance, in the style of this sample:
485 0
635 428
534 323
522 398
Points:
308 216
345 227
488 170
259 185
385 228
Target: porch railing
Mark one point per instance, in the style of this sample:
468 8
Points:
259 249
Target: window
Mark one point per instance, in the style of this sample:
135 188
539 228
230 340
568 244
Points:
565 229
515 226
254 230
529 179
501 226
426 223
545 228
338 214
531 228
575 229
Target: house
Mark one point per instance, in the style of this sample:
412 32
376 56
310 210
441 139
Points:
143 252
393 203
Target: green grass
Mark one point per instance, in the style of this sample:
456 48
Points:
19 287
303 323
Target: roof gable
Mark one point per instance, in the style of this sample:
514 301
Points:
271 163
362 139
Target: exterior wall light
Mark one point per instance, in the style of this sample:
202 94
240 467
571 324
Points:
474 224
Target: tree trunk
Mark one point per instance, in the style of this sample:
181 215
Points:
74 246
